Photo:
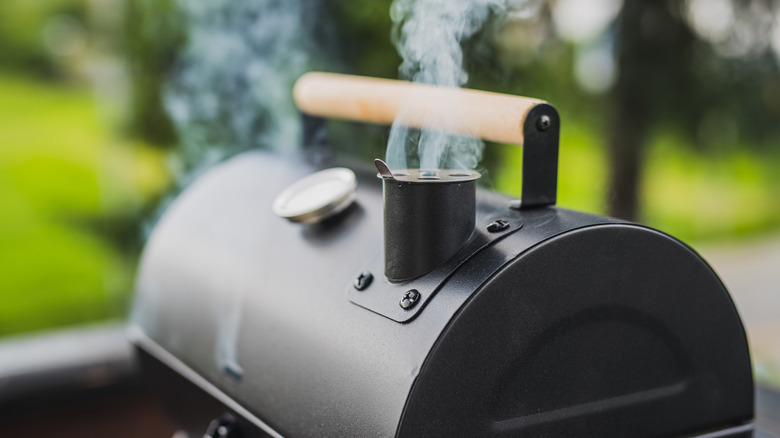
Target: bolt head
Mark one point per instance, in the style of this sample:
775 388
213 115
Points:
221 428
363 280
498 225
543 122
409 299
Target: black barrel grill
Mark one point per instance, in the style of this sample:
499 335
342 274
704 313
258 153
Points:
539 322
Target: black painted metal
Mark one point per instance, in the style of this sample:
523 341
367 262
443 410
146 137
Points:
541 131
314 132
571 325
314 139
383 295
195 409
425 224
584 336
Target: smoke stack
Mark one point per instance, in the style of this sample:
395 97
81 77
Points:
428 216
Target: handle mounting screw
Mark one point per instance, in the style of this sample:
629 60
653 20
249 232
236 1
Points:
543 122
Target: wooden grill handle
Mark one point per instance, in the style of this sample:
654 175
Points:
490 116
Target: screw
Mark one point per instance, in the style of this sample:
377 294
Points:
224 427
498 225
410 299
543 122
363 280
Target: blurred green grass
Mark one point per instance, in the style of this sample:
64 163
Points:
61 172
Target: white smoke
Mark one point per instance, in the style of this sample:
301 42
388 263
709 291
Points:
232 89
428 35
230 93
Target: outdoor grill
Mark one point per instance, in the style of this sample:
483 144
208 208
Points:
313 296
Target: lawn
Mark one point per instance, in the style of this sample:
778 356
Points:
64 177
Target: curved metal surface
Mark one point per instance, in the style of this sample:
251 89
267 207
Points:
255 305
225 284
608 330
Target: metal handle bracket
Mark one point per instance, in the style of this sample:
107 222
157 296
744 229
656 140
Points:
541 132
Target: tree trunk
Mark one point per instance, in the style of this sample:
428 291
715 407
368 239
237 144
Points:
654 49
626 147
629 118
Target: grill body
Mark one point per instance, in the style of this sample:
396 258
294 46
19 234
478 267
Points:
564 324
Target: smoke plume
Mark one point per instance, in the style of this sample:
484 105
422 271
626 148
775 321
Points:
232 88
428 35
230 93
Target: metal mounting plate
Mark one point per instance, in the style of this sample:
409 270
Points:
384 297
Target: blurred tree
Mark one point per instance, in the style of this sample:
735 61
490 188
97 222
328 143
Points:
653 50
153 36
38 37
671 75
711 90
